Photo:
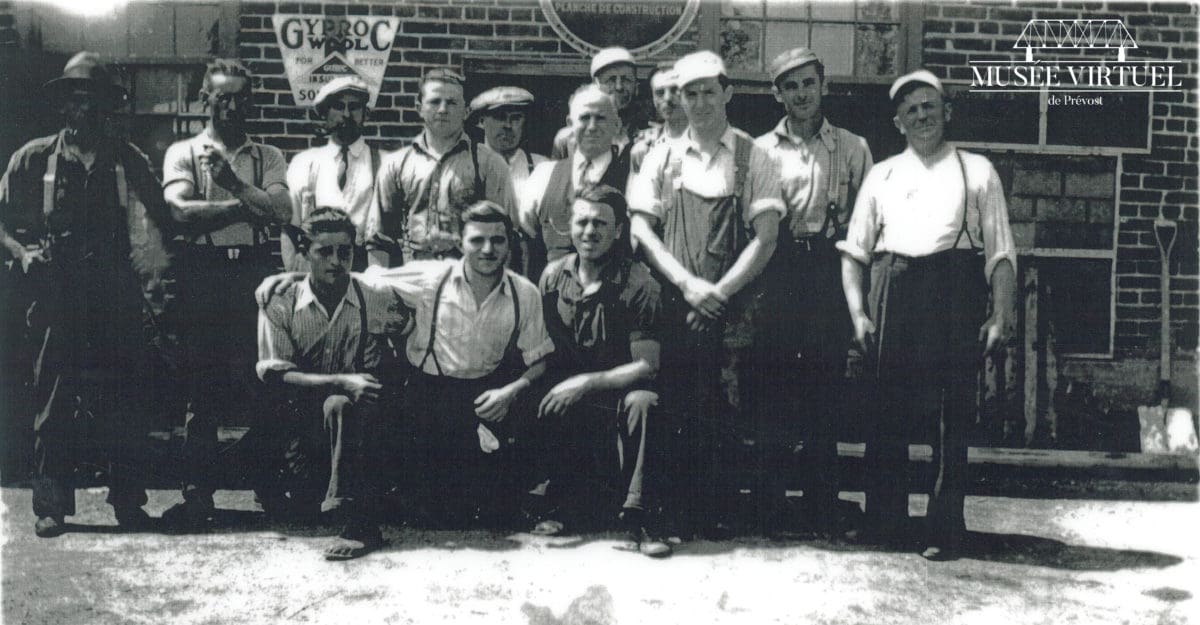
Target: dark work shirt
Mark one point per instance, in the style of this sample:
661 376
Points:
593 331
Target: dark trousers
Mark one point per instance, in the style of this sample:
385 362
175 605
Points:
327 451
219 320
596 458
444 465
927 313
804 343
707 386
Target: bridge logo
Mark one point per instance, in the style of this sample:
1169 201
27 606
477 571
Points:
1074 34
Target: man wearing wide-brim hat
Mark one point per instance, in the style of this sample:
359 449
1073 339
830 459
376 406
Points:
82 216
501 113
340 174
932 225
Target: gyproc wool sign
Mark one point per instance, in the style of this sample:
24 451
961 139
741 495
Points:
317 49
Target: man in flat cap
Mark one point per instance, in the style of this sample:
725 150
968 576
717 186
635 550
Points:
424 188
340 174
706 211
932 225
227 190
822 168
672 121
544 213
501 114
82 217
614 71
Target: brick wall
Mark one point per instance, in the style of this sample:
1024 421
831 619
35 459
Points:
432 33
1161 183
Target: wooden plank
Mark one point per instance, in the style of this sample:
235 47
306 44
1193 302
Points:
1049 458
1031 351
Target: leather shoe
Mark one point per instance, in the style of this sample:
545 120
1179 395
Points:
49 527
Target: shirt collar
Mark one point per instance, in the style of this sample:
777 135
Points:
610 274
356 149
826 133
599 162
728 139
305 296
459 275
422 143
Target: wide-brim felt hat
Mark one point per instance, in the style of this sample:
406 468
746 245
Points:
85 70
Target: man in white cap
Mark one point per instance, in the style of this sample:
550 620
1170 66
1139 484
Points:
501 114
672 121
614 71
822 167
425 187
932 225
545 210
228 190
706 211
340 174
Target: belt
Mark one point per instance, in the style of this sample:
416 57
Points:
812 243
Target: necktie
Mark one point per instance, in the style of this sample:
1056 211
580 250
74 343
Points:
343 156
583 172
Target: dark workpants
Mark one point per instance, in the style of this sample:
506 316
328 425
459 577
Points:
91 384
219 322
325 452
927 312
804 342
596 460
445 468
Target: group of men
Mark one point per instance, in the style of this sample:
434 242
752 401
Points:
500 336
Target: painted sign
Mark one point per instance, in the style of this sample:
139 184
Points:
317 49
645 27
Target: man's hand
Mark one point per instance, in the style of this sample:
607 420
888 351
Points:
274 285
33 255
564 395
697 322
213 160
995 334
704 297
360 387
637 407
492 405
864 331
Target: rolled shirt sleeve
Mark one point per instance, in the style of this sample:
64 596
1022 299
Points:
274 170
299 177
533 340
178 165
864 225
643 193
993 222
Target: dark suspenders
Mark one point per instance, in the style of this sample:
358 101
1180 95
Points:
437 301
360 353
962 229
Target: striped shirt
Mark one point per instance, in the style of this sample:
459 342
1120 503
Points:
296 333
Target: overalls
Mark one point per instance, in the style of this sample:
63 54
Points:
442 446
706 372
927 356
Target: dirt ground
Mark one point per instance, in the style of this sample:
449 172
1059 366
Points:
1033 561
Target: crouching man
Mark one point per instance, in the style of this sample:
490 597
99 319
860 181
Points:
603 311
321 342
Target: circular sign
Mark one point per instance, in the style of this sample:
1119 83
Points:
644 27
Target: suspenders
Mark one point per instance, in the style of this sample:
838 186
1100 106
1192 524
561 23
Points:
360 353
437 301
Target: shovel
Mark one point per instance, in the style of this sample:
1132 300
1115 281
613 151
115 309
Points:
1152 418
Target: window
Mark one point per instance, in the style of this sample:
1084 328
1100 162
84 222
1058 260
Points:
857 40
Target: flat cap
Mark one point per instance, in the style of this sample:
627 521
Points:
610 56
498 97
338 85
790 60
920 77
697 66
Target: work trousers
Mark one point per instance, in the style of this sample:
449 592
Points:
596 459
927 312
445 467
804 344
219 321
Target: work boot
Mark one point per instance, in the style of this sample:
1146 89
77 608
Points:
49 527
189 514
